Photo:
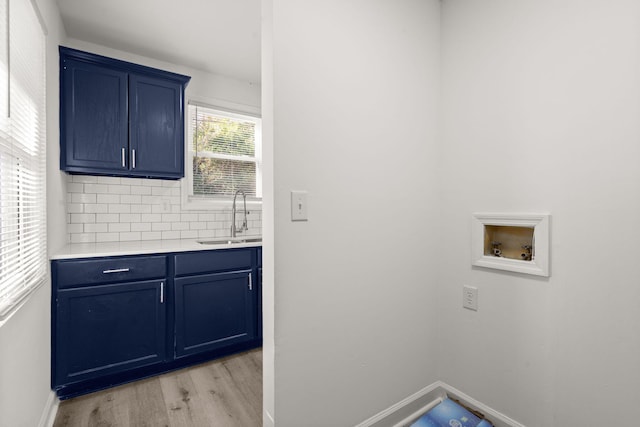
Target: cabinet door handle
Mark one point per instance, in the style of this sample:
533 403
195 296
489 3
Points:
250 282
124 165
133 158
161 292
115 270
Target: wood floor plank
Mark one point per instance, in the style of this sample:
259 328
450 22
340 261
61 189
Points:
147 408
104 409
223 393
226 400
185 407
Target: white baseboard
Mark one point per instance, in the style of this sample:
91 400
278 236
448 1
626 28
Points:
50 410
498 419
407 406
400 411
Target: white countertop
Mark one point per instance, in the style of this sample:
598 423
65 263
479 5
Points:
89 250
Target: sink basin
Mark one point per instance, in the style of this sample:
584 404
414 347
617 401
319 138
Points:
231 241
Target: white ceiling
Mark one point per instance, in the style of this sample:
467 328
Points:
217 36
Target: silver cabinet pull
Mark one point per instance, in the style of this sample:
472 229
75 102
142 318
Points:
124 165
250 282
115 270
161 292
133 158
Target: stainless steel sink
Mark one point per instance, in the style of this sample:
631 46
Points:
230 241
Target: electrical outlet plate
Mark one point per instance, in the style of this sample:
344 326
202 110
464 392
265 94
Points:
470 297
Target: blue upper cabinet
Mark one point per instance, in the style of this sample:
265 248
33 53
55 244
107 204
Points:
119 118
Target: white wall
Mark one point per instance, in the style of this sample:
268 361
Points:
355 92
210 88
25 337
541 105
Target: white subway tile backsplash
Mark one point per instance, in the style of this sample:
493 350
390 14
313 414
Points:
160 191
95 228
152 182
75 187
116 227
140 226
141 190
95 188
141 209
188 217
119 189
83 197
96 208
179 225
205 217
160 226
107 237
129 218
170 217
205 234
189 234
83 218
75 228
130 199
151 235
108 180
127 237
150 217
82 178
83 238
170 235
118 208
111 209
107 217
131 181
75 208
108 198
150 200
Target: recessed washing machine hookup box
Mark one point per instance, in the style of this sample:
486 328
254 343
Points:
512 242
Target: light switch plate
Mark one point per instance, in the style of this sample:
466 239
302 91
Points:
470 297
299 206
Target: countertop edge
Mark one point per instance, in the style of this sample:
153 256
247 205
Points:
139 247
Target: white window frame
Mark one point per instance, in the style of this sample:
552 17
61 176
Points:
233 111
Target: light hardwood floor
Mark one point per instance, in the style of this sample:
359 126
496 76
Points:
223 393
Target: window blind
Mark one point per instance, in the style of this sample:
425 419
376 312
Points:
226 153
23 263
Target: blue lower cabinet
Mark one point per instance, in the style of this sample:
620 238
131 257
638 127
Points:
119 319
109 328
214 311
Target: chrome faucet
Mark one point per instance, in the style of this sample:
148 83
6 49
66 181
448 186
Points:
243 227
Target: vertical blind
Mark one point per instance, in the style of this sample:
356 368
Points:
23 262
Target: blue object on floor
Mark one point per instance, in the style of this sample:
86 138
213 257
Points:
450 414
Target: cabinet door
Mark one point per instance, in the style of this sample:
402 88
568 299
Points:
108 329
93 118
156 133
214 311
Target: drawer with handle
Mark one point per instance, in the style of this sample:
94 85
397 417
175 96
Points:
77 273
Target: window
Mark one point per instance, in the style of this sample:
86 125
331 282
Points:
23 261
225 154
